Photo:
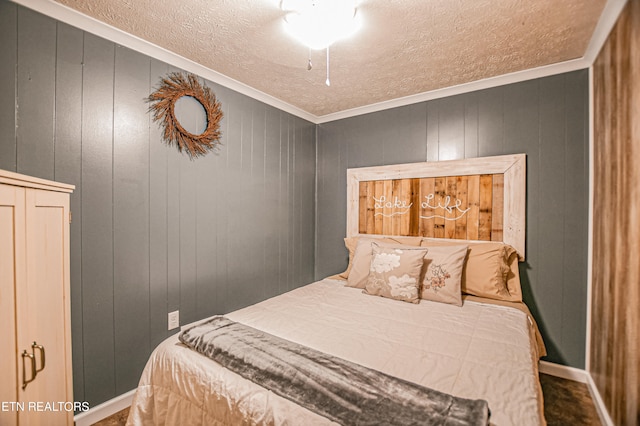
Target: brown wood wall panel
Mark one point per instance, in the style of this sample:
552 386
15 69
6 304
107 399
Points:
467 207
615 347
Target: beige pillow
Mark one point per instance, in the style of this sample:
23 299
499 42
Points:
358 270
443 275
395 272
350 244
489 271
513 277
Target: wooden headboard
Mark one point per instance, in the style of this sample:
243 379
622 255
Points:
476 199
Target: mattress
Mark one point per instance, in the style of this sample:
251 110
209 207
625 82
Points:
477 351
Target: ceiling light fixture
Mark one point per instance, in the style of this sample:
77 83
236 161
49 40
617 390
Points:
320 23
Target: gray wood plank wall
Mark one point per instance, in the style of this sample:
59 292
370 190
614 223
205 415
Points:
547 119
152 231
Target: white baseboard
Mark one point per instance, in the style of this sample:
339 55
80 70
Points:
578 375
563 371
605 418
104 410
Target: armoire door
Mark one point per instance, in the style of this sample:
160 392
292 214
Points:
11 263
43 308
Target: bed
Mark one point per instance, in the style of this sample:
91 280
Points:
482 347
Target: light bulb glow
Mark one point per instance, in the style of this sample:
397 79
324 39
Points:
320 23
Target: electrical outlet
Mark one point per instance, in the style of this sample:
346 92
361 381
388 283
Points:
174 320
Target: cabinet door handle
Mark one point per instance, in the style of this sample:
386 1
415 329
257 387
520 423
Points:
41 349
25 382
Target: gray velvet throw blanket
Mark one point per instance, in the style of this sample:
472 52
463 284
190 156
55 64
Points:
337 389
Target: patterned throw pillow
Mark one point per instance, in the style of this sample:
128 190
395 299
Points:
395 272
443 276
490 270
359 271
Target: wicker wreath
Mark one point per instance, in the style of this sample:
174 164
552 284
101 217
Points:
163 103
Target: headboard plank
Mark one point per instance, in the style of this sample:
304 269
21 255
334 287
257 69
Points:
473 196
462 188
486 197
440 188
478 199
497 213
427 225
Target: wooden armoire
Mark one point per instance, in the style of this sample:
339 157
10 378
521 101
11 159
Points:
35 353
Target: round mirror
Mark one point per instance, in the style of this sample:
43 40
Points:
191 115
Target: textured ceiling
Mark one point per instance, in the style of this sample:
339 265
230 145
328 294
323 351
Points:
405 47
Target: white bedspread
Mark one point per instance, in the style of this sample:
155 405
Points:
476 351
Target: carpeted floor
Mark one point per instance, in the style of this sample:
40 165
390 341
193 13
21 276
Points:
566 403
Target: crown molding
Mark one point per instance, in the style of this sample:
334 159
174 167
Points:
91 25
487 83
86 23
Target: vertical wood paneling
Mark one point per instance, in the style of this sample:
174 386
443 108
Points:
68 169
516 118
615 325
576 198
152 231
552 195
331 175
9 53
97 220
358 150
471 125
130 216
521 129
251 196
293 217
450 130
173 208
257 199
36 93
188 278
158 220
283 191
270 211
491 122
308 160
207 302
223 210
233 219
405 124
239 196
433 121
